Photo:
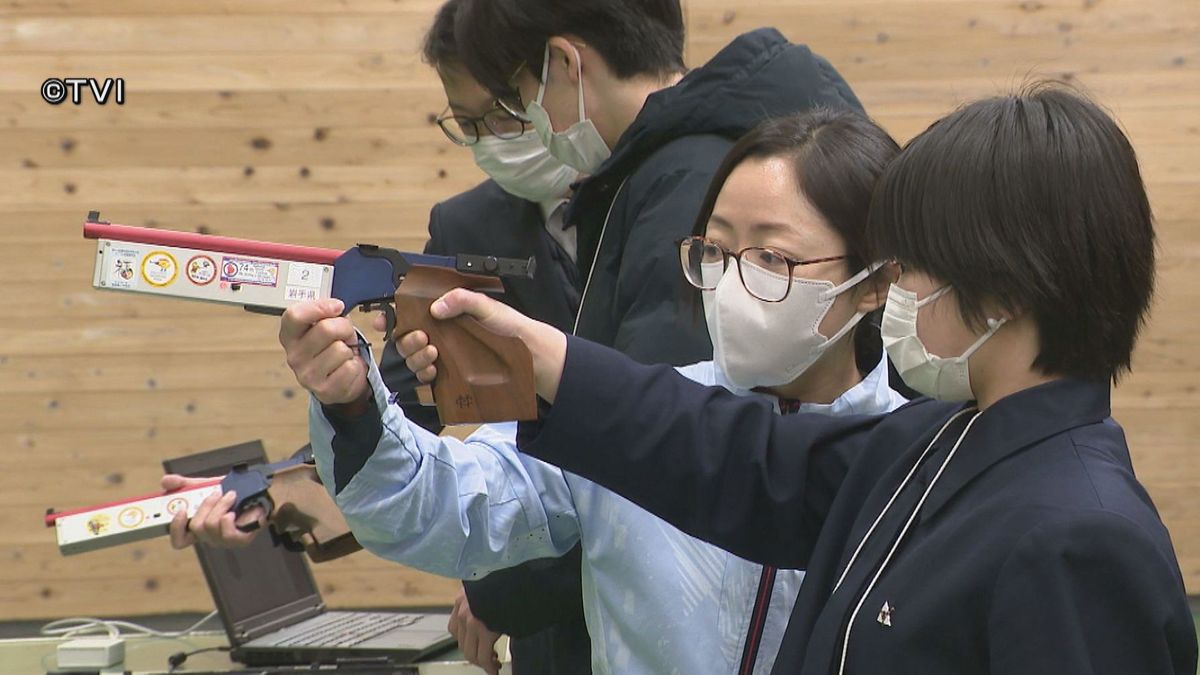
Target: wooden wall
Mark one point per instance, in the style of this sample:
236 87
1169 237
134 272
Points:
310 121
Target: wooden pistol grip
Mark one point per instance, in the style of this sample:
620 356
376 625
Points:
305 512
482 377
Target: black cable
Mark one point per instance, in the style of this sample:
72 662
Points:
175 660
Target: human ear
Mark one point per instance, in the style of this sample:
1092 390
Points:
994 310
564 53
873 291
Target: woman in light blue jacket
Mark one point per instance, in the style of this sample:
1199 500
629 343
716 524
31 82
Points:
779 264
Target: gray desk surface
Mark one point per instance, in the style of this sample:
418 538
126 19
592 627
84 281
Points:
25 656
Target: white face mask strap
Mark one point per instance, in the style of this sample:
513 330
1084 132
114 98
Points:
851 282
837 290
993 326
932 296
545 71
579 70
847 328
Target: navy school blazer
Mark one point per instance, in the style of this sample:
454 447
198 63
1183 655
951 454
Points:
1036 550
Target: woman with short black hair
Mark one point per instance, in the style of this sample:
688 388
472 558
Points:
1039 211
995 527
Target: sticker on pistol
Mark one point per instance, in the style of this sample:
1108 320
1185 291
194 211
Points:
159 269
123 273
201 270
300 294
131 517
250 271
304 274
98 524
176 505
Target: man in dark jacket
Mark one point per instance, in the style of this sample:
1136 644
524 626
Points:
640 200
619 108
547 630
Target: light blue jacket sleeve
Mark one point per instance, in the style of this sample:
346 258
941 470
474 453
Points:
445 506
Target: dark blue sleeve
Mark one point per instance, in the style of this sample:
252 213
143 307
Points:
523 600
723 468
1090 592
354 441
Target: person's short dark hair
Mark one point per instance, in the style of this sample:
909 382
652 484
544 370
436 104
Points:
439 47
634 37
1033 202
838 157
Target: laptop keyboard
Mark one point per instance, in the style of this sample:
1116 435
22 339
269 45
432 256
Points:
348 630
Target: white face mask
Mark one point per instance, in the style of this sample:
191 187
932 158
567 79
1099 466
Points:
767 344
580 146
946 379
524 167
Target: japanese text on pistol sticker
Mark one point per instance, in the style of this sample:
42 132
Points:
300 294
250 271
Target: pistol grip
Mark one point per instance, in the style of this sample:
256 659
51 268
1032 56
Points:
305 513
482 377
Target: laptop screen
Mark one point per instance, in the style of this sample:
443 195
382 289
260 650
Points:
257 584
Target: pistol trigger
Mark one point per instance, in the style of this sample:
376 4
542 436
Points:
389 315
248 527
244 505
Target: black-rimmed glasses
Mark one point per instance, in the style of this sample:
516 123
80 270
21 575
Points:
766 273
466 130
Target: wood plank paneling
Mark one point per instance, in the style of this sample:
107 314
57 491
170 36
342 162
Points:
207 34
249 111
298 147
188 8
311 122
229 185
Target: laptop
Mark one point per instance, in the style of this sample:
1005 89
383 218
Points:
270 606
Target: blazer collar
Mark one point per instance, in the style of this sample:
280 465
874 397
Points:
1015 423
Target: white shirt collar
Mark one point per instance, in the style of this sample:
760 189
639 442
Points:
872 395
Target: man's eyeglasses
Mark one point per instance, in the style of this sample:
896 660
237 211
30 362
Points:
766 273
466 130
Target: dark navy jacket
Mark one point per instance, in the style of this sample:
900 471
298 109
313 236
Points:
1036 551
632 213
